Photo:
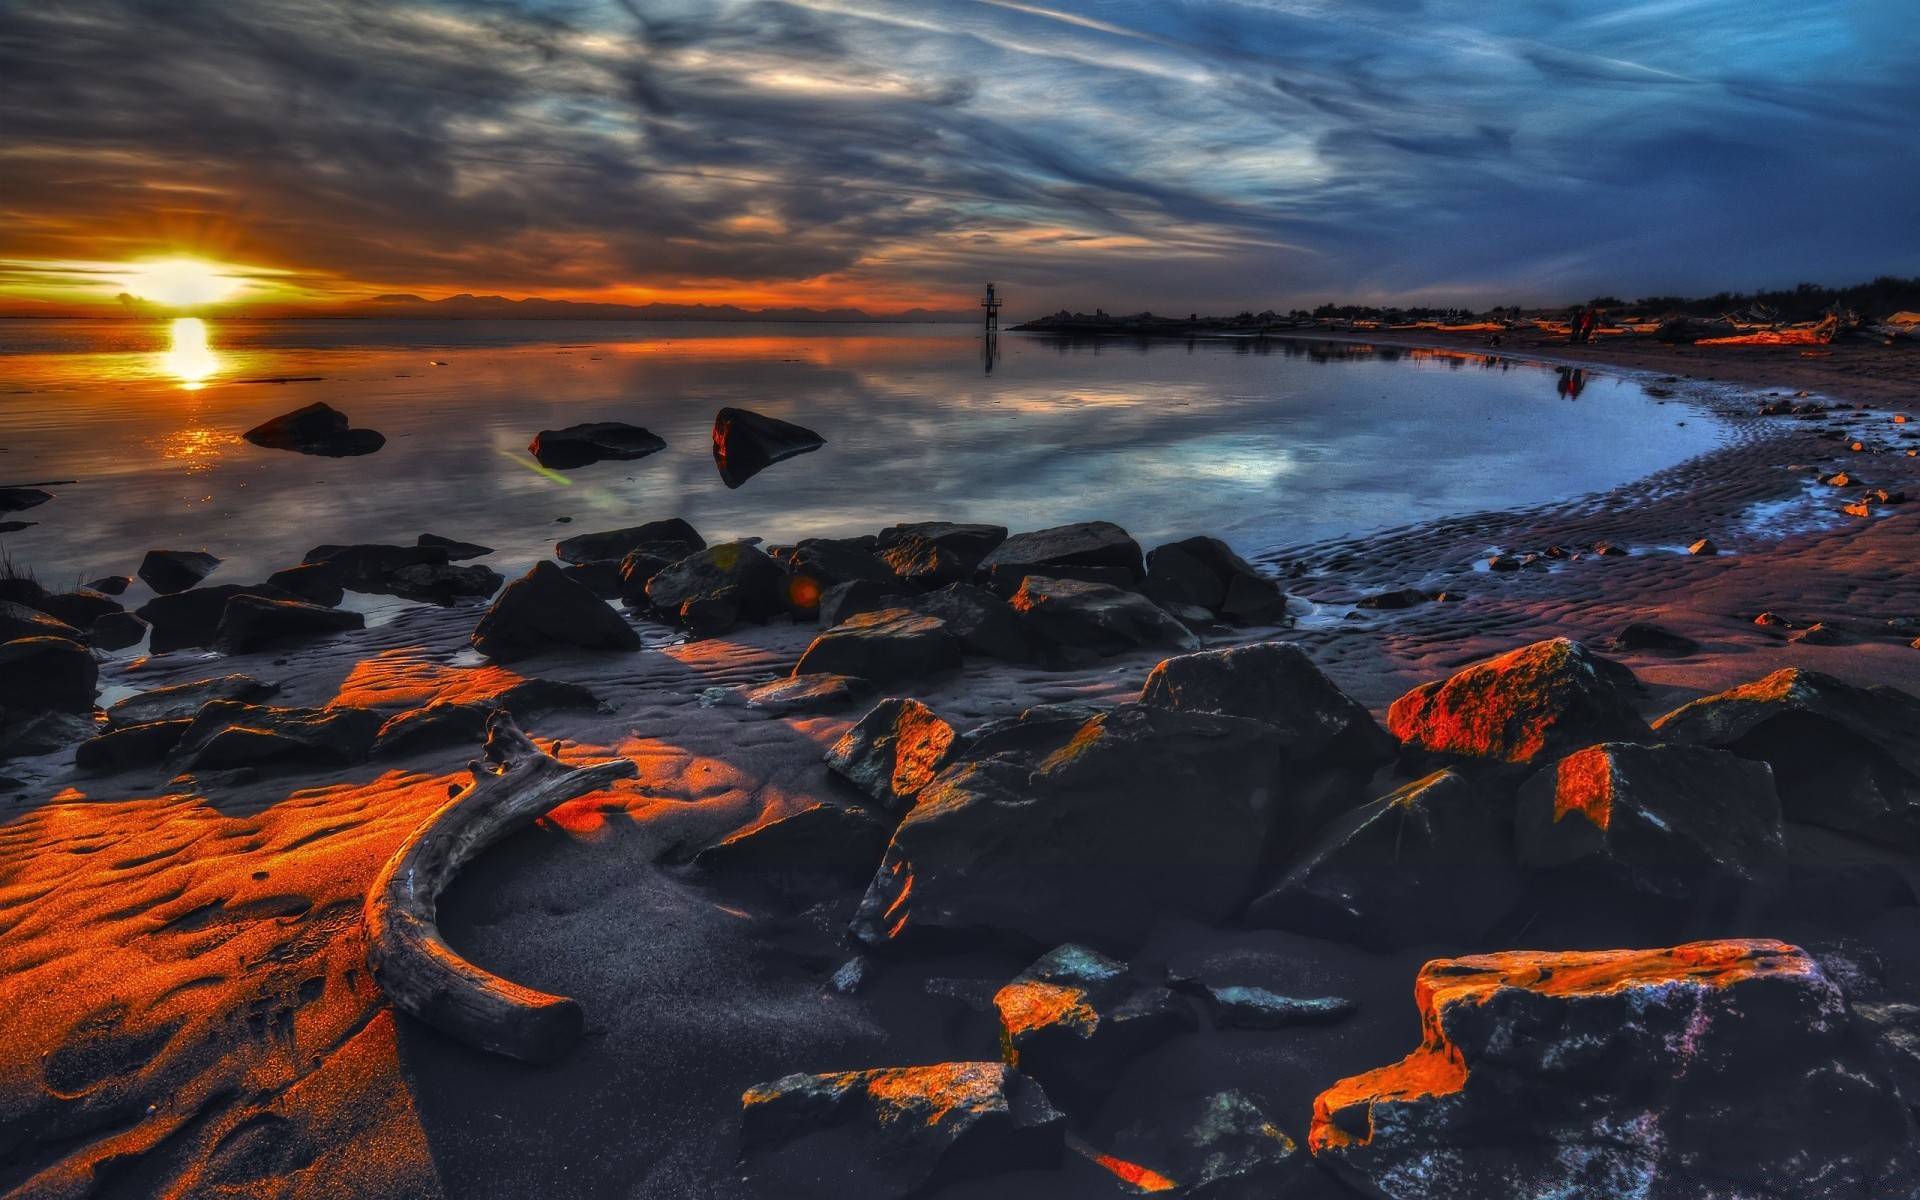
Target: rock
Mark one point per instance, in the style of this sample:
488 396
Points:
315 583
817 564
47 674
1843 758
251 623
1097 616
110 585
1529 705
449 723
1175 575
79 609
455 551
897 1131
1704 547
18 621
316 429
42 733
672 539
807 694
182 700
1610 549
1205 571
544 610
1667 820
1029 738
1277 684
1505 562
444 583
601 577
1088 544
984 623
1242 1007
595 441
1144 813
1818 634
1403 598
19 499
931 554
170 571
1004 581
711 591
115 631
819 841
1223 1146
894 645
192 618
857 596
122 749
1649 638
746 443
225 735
378 569
636 571
1432 862
1076 1018
893 752
1715 1069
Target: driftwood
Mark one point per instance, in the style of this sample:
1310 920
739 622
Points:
516 785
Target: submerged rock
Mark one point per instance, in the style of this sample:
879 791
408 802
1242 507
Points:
1716 1069
170 571
893 645
1097 616
807 694
592 442
19 499
893 752
1647 637
746 443
316 429
544 610
1238 1006
1076 1018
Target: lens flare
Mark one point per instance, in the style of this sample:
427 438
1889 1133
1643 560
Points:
188 357
181 282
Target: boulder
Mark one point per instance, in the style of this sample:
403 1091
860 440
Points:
251 623
1716 1069
79 609
182 700
892 752
592 442
1431 862
711 591
19 499
1004 580
1076 1018
544 610
170 571
1527 706
1401 598
850 599
315 583
455 551
47 674
1667 820
192 618
933 553
1845 758
636 571
124 748
1029 738
110 585
807 694
1277 684
18 621
451 723
1205 571
444 583
1097 616
1142 814
316 429
672 539
893 645
226 735
601 577
1221 1146
746 443
897 1131
115 631
790 851
34 734
374 568
1088 544
984 623
817 564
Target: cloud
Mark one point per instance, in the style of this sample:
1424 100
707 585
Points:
1210 153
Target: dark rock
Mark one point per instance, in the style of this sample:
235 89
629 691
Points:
1649 638
124 748
1143 814
1097 616
1029 738
1843 757
847 600
182 700
1088 544
1238 1006
984 623
1540 1074
451 723
79 609
1705 546
637 570
1275 683
807 694
110 585
1431 862
316 429
1076 1018
746 443
1205 571
1175 575
898 1131
170 571
819 841
818 564
601 577
1005 580
192 618
225 735
444 583
18 621
1529 705
45 732
671 539
1223 1146
251 623
47 674
592 442
1668 820
933 553
893 645
315 583
115 631
19 499
1818 634
454 550
893 752
378 569
711 591
1403 598
544 610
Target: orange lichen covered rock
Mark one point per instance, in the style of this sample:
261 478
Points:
897 1131
1074 1019
1526 706
1716 1069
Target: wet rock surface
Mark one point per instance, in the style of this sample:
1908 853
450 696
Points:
892 645
317 429
544 610
746 443
252 623
42 674
893 752
170 571
1075 1019
594 441
712 590
672 539
1097 616
1096 544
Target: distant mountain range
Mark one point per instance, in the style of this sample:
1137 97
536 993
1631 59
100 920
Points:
465 306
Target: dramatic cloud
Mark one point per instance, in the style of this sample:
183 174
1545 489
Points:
1126 153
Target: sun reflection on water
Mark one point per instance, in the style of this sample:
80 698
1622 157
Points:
188 357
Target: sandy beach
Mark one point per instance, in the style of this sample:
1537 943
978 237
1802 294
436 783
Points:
183 993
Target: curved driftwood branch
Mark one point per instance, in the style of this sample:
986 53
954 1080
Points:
517 784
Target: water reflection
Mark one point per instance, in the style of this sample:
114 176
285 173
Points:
188 357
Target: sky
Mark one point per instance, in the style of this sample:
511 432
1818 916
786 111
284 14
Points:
1173 155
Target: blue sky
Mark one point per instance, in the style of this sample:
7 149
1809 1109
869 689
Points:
1173 155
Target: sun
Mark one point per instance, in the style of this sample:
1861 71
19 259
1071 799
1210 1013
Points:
181 282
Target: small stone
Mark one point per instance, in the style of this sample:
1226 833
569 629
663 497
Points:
1704 547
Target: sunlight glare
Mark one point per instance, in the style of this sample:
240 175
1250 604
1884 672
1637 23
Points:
188 357
181 282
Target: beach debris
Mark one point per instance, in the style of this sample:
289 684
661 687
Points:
318 429
746 443
893 752
672 539
712 590
891 645
932 553
1741 1053
896 1132
251 623
1097 616
984 623
47 674
592 442
543 610
170 571
1075 1019
514 784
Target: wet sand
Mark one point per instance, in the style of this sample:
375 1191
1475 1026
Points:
183 1006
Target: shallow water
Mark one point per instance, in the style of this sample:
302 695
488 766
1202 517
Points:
1264 444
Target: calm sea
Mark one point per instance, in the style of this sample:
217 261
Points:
1261 443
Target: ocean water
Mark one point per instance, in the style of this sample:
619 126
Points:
1262 443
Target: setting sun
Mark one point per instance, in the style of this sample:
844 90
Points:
181 282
